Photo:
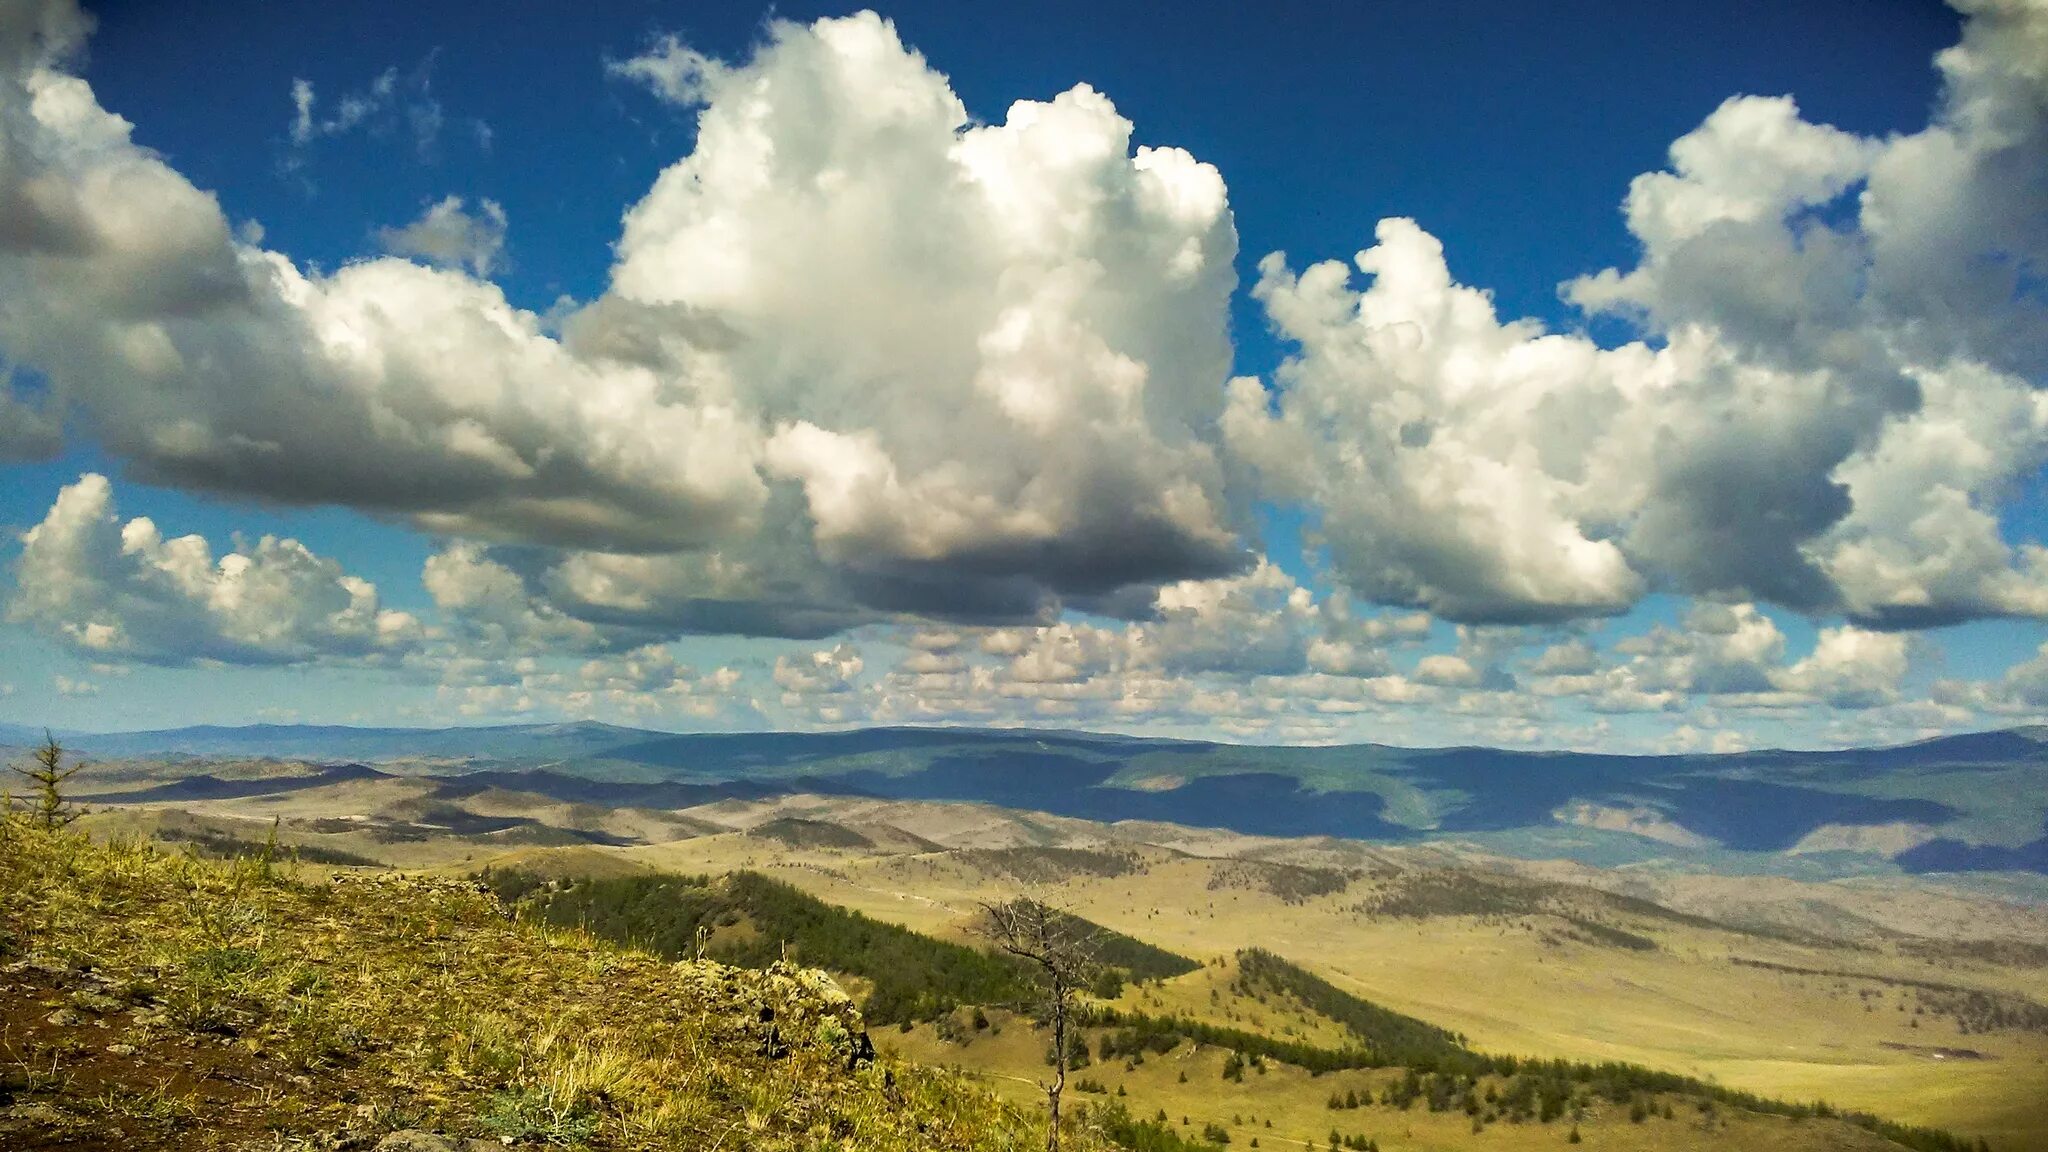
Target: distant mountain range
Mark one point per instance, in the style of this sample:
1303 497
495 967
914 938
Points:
1976 802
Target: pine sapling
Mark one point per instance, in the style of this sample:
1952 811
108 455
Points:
47 775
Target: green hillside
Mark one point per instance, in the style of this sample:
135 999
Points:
748 919
162 1001
1442 1072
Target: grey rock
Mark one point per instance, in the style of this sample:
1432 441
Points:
97 1003
415 1140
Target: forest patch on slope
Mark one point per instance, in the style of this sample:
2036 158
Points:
752 920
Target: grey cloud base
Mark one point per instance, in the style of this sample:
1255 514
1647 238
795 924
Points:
864 360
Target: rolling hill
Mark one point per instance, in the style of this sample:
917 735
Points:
1970 803
1903 996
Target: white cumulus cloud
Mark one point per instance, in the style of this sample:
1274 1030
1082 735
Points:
1840 382
984 361
116 591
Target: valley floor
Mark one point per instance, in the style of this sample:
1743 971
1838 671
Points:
1852 1027
1903 999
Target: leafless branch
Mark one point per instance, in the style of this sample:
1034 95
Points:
1065 950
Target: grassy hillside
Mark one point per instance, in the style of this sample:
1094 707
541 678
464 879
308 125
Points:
1526 981
161 1001
1643 966
1213 1085
748 919
752 919
1286 1108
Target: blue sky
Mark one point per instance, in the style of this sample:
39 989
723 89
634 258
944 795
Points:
1509 136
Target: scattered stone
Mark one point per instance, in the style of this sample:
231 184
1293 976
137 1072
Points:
35 1120
415 1140
121 1049
47 965
97 1003
65 1018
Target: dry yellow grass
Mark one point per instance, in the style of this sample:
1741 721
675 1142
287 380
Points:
389 1000
1684 1007
1286 1108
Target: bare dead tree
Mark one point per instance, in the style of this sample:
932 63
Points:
1064 950
46 774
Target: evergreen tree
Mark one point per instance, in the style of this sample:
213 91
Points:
46 774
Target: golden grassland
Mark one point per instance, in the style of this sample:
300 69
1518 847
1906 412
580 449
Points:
1512 984
154 1000
1286 1108
1520 985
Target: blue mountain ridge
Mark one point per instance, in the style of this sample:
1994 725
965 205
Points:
1976 802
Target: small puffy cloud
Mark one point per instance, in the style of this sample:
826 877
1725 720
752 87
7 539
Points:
650 681
672 70
823 686
1259 622
390 104
1573 657
823 672
66 686
1687 738
488 603
118 591
1733 656
936 640
448 236
1725 648
2021 690
1850 668
1446 671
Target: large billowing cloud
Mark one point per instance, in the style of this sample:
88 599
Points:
1841 386
865 363
991 356
119 592
985 360
390 386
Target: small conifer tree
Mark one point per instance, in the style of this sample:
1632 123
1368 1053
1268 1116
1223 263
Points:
47 775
